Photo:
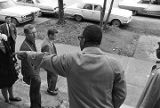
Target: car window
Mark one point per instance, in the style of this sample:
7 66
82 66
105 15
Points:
37 1
157 2
29 1
22 1
145 1
87 6
7 4
97 8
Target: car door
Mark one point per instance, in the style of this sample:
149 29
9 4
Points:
142 6
153 8
87 11
96 12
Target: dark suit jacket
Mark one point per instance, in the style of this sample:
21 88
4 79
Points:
48 47
26 69
13 31
150 97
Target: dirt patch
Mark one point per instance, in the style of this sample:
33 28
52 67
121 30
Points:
121 42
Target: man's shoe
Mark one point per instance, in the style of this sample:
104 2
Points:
53 93
7 101
15 99
56 89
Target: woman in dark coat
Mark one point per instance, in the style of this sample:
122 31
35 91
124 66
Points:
8 74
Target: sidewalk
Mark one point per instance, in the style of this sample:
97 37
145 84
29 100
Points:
136 72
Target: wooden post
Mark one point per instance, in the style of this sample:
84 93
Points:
108 15
102 13
61 12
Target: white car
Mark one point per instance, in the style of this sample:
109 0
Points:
19 14
91 9
46 6
146 7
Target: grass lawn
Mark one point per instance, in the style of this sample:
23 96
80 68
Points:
124 42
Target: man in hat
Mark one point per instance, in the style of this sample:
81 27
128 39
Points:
94 79
48 46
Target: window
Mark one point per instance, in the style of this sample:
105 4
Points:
155 2
37 1
22 1
97 8
145 1
88 6
29 1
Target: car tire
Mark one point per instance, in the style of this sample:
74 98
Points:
43 14
33 17
134 12
78 18
40 14
116 23
14 20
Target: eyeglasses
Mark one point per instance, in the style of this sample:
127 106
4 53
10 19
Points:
80 38
32 33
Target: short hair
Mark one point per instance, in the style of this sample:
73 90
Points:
92 34
28 28
52 31
7 17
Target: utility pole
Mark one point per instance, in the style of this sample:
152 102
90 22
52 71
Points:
61 12
102 13
108 15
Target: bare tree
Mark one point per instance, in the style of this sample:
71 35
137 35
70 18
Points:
102 13
108 15
61 12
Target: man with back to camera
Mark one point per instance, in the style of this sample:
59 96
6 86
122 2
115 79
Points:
94 79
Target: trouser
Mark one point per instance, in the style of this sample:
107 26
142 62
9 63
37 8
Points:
12 44
51 80
35 95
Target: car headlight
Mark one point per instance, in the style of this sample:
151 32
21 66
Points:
23 17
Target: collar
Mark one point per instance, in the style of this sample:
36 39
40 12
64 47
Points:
7 24
47 39
92 50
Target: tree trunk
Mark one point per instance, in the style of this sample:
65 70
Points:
102 13
61 12
108 15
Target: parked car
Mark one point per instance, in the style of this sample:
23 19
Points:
91 9
19 14
144 7
46 6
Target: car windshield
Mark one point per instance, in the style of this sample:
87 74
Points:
45 1
7 4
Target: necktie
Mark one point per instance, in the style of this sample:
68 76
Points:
8 30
